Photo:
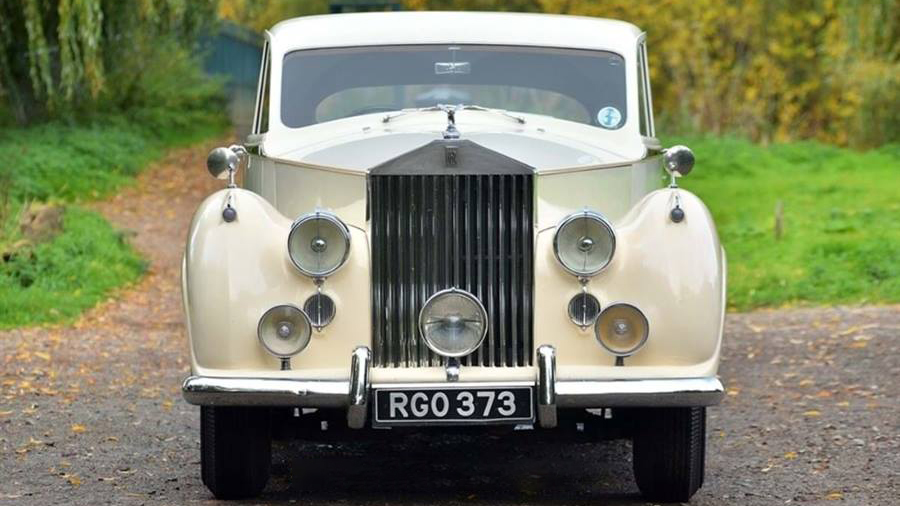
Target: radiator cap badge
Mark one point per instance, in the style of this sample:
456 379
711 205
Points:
451 156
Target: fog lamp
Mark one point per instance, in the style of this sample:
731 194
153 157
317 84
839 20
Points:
320 309
584 243
453 323
318 244
284 331
622 329
584 309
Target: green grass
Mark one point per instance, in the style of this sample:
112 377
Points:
65 164
56 161
841 241
59 279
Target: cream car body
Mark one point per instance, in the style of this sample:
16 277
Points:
672 270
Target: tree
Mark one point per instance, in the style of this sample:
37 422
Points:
57 56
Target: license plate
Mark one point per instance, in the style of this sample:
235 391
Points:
442 405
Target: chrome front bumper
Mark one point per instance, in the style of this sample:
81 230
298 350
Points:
353 394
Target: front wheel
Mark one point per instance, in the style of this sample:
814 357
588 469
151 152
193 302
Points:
235 450
670 453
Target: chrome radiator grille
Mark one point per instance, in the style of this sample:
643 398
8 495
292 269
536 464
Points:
436 231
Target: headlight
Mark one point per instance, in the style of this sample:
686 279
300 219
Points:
584 243
284 330
453 323
622 329
318 244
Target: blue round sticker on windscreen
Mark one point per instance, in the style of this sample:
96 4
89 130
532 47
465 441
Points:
609 117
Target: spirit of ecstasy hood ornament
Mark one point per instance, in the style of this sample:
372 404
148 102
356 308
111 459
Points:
451 132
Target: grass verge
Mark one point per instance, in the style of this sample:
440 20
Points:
55 280
58 279
841 208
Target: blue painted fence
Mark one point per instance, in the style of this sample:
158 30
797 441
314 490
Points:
233 53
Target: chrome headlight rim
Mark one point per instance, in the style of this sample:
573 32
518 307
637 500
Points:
332 218
467 295
590 214
262 341
639 345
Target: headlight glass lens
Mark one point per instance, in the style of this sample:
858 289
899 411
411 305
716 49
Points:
584 243
453 323
319 244
284 330
622 329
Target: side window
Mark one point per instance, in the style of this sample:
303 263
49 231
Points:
261 123
644 102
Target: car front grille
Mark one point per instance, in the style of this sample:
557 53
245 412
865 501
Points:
436 231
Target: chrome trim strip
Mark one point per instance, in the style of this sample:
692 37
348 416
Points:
675 392
546 386
538 172
211 391
360 362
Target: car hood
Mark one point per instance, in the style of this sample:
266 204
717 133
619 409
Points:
548 144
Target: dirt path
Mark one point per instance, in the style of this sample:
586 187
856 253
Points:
92 413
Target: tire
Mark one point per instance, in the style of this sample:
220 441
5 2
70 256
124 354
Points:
670 453
235 450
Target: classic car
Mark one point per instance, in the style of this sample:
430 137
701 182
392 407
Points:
446 219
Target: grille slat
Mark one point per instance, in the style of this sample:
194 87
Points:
514 271
432 232
527 259
489 259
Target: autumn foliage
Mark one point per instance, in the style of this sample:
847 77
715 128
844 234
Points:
773 70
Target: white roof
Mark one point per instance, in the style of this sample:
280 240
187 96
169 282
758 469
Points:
521 29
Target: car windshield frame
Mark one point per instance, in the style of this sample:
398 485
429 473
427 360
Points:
311 76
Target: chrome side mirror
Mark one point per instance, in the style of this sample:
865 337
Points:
678 160
222 163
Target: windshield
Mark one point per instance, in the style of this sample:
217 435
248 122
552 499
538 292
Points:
578 85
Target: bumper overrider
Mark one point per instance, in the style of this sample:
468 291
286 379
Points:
354 394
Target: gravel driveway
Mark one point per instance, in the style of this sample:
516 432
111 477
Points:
92 413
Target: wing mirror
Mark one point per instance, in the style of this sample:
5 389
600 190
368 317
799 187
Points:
678 160
223 163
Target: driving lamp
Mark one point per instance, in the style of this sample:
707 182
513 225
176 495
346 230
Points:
318 244
284 330
453 323
622 329
584 243
320 309
584 309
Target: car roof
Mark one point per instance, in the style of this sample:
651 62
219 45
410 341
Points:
411 27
